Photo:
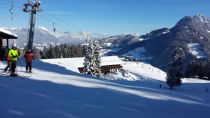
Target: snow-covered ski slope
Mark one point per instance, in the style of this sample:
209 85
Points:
52 91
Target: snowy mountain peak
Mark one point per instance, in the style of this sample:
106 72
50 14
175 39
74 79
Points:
201 18
133 34
42 28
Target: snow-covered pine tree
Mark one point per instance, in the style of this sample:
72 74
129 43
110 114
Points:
175 68
97 58
89 63
36 53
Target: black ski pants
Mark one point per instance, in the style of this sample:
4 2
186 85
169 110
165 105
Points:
28 66
8 66
13 66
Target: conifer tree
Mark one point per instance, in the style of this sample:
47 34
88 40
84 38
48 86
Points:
175 68
89 59
36 53
97 58
92 62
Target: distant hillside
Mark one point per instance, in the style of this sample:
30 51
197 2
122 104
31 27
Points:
187 32
119 43
190 33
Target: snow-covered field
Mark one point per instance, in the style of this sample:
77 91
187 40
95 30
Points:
53 91
196 50
139 54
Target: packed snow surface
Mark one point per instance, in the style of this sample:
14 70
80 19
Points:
53 91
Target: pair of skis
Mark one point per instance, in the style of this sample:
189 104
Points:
7 74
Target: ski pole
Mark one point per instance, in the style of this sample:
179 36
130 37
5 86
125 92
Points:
19 63
33 66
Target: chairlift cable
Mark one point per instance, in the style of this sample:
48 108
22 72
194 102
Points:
50 21
15 4
62 21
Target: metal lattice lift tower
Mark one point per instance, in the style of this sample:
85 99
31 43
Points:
31 7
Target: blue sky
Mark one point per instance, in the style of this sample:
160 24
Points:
105 16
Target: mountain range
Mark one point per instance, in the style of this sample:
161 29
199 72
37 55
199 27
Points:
191 33
44 37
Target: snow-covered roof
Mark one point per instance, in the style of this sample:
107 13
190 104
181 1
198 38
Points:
110 60
8 33
75 63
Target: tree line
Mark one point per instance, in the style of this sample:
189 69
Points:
60 51
199 68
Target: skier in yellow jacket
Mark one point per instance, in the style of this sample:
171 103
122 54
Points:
13 54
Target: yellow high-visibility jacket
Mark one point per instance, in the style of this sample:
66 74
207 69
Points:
13 54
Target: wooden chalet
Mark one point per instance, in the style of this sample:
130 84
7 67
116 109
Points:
109 64
4 34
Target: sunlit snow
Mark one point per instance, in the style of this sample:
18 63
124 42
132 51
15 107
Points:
56 91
